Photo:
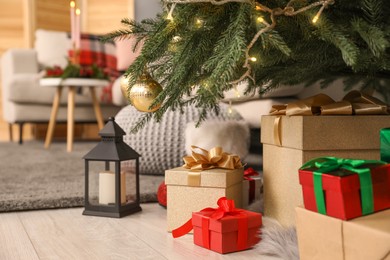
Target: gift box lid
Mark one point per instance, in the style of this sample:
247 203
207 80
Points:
228 223
324 132
217 178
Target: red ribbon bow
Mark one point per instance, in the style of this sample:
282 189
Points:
250 172
226 207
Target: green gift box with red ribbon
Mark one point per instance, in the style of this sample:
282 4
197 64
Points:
224 229
345 188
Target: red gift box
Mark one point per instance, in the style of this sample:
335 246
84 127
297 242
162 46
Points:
225 229
248 174
342 189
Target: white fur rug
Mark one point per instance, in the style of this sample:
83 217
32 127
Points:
278 241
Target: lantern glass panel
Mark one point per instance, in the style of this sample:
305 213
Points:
128 169
101 188
95 168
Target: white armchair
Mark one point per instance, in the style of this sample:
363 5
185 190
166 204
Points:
25 101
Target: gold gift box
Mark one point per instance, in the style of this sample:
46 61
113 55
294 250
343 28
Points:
290 141
323 237
183 199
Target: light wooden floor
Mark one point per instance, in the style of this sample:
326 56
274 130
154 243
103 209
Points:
67 234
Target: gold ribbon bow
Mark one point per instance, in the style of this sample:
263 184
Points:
215 158
354 103
205 160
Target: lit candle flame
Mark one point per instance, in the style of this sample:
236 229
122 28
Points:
72 4
78 12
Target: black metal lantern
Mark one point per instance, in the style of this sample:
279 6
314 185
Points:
112 175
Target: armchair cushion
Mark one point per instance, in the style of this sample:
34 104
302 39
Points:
25 88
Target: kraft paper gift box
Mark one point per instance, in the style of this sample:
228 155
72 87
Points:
290 141
224 229
345 188
323 237
183 199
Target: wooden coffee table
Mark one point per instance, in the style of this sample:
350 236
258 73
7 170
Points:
72 84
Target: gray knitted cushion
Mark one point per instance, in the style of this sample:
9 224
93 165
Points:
162 145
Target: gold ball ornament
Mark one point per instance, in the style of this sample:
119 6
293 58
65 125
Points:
124 82
144 92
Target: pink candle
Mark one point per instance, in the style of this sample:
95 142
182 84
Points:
77 31
72 23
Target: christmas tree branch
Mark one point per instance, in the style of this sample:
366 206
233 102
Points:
199 49
287 11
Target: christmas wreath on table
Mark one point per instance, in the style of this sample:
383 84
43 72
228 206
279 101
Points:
83 71
76 71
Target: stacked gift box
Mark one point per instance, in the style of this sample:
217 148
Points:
311 128
208 179
347 209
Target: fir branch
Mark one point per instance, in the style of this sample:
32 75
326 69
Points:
332 33
372 10
372 35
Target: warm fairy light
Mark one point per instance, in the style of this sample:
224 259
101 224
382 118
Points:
258 7
237 92
72 4
78 12
254 59
317 16
230 109
260 19
176 39
199 22
170 16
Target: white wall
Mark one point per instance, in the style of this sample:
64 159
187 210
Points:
146 9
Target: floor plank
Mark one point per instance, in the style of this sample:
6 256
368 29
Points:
14 241
66 234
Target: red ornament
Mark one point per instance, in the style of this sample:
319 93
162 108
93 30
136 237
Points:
162 194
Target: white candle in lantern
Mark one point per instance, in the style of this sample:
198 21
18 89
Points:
107 187
72 23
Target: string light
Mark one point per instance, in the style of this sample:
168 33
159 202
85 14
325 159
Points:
199 22
260 19
176 39
317 16
170 16
236 91
230 109
287 10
